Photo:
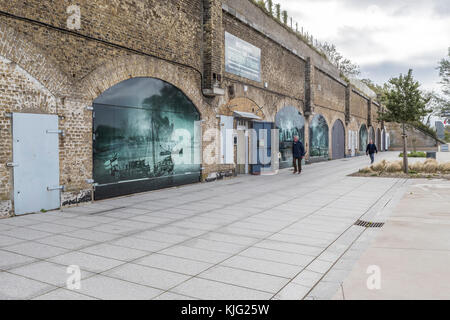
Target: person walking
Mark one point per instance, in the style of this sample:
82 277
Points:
298 152
371 150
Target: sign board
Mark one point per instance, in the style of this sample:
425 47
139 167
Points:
242 58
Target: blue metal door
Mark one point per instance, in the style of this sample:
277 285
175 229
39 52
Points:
35 162
264 146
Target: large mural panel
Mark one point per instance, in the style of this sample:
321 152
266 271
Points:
290 123
363 138
144 138
318 137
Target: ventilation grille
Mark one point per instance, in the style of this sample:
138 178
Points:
367 224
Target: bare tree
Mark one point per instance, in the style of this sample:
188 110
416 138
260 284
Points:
347 67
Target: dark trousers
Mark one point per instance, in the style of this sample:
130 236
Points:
297 164
372 158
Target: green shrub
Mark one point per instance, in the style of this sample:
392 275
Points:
413 154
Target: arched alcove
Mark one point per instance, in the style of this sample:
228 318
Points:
143 127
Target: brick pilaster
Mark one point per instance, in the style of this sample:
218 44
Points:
212 43
309 87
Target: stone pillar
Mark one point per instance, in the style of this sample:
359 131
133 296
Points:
306 142
309 88
369 113
212 43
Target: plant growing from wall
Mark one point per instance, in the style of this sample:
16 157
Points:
270 6
285 16
261 4
405 104
278 11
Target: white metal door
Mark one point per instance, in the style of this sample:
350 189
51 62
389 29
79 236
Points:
36 162
227 145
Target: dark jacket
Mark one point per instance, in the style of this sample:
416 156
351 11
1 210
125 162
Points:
298 150
371 149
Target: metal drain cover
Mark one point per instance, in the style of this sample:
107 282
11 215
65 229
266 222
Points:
368 224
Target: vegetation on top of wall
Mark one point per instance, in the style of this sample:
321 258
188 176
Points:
325 50
277 17
424 128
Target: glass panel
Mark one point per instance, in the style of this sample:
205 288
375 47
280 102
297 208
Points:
318 137
363 138
144 129
290 124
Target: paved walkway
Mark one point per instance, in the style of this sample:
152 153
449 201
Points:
412 252
267 237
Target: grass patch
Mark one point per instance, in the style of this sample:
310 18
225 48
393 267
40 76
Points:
429 169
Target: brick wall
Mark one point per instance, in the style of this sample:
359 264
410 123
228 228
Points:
19 92
283 72
417 140
44 69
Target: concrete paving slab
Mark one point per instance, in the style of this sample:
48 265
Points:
292 291
148 246
291 258
148 276
63 294
26 233
47 272
14 287
96 236
115 252
227 238
107 288
174 264
308 278
65 242
8 240
169 296
85 261
51 228
10 260
248 279
196 254
215 245
165 237
35 250
265 267
207 289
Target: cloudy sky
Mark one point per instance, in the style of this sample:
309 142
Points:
385 37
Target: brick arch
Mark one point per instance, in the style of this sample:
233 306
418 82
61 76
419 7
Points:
336 118
126 67
287 102
243 104
21 50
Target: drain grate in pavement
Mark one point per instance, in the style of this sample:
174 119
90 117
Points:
368 224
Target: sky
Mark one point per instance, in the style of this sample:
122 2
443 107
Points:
384 37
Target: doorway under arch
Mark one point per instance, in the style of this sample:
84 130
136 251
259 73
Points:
338 140
363 138
379 140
